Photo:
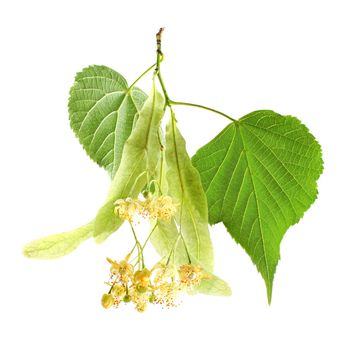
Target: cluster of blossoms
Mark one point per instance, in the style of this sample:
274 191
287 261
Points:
160 285
161 207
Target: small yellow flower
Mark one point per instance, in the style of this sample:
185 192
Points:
122 271
127 208
118 291
166 285
166 293
161 208
114 266
191 275
164 273
125 270
142 280
161 285
139 299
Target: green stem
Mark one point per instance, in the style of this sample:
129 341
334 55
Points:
200 106
140 255
187 253
149 236
180 224
144 244
113 284
168 101
161 170
142 75
160 58
132 250
137 179
173 249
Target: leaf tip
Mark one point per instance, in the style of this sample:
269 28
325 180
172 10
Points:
269 291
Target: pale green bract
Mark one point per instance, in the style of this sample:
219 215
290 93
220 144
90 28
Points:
139 162
184 186
58 245
102 110
165 238
260 176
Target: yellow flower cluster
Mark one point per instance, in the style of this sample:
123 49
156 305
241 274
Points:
161 207
127 208
160 285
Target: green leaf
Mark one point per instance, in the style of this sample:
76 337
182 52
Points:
55 246
139 162
260 176
163 238
102 110
186 190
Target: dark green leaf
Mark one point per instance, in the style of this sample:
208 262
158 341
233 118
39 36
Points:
260 176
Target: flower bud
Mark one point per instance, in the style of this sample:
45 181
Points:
107 301
142 275
141 289
127 298
152 298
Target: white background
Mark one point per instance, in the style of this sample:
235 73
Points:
236 56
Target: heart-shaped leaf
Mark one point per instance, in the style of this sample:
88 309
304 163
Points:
102 110
260 176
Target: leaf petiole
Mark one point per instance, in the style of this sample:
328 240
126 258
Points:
200 106
141 76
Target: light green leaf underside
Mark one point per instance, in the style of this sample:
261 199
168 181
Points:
164 238
260 176
184 186
102 111
58 245
139 159
213 286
